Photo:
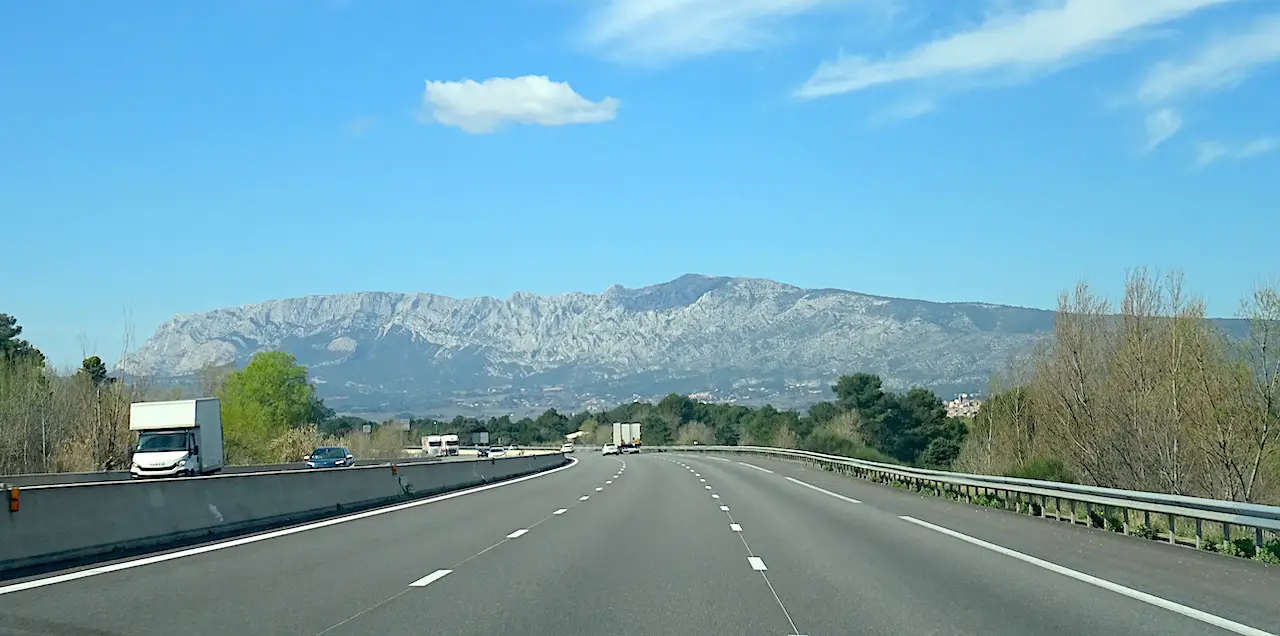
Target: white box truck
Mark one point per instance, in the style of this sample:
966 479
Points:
434 445
177 438
626 436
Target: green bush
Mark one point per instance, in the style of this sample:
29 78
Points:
1269 552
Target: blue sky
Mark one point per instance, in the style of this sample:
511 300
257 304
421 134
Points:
164 158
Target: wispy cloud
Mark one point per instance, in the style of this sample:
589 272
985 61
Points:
484 107
1258 147
1025 44
1221 64
1208 152
903 110
664 30
361 125
1161 125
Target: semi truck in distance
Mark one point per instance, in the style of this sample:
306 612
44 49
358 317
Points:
450 443
176 438
626 436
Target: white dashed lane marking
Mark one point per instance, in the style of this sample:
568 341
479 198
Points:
518 533
823 491
430 578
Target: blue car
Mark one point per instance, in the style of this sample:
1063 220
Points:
330 457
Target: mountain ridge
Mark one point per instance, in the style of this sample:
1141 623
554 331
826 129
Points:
426 352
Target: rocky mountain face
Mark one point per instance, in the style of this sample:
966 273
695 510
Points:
743 339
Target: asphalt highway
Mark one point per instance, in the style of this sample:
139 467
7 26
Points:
662 544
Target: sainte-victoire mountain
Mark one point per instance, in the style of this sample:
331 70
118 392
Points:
743 339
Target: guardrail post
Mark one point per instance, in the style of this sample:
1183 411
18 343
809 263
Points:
1126 519
1199 534
1173 535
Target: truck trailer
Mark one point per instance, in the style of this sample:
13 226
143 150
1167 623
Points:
626 436
177 438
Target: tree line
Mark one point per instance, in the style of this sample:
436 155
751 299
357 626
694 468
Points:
1148 395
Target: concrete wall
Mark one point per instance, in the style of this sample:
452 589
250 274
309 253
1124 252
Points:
68 524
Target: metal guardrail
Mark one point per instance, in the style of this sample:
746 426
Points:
1034 494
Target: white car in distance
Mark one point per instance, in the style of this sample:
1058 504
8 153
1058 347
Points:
566 448
609 449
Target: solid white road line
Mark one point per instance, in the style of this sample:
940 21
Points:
719 459
735 527
823 491
757 563
560 511
584 497
430 578
1177 608
724 508
518 533
231 543
765 470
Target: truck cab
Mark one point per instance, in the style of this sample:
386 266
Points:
450 443
177 438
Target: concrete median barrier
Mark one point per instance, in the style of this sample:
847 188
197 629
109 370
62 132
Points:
62 525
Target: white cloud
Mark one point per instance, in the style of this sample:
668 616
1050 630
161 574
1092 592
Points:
1258 147
1161 125
659 30
1220 65
1038 41
903 110
1208 152
484 107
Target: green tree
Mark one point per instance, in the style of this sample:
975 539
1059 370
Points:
678 408
860 392
261 402
655 430
94 369
551 424
14 349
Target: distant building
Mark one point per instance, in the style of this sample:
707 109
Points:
965 405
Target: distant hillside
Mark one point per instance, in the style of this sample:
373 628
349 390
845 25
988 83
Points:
735 338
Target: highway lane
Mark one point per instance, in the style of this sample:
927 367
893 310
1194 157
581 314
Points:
654 554
897 558
294 583
651 551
